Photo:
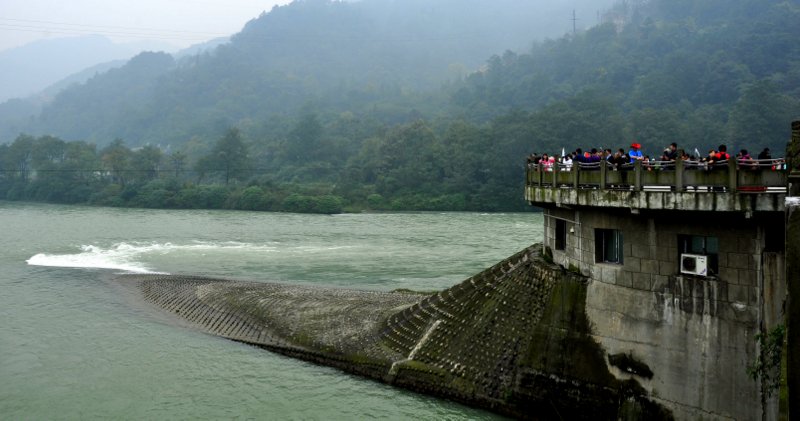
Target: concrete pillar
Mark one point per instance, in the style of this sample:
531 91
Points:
793 160
556 170
637 175
793 303
793 272
603 173
733 168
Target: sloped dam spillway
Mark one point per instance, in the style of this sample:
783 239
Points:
514 338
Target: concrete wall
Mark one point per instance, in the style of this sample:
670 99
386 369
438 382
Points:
695 333
793 307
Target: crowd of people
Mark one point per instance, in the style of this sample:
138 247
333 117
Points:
623 160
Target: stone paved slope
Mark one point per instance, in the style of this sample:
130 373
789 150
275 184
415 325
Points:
513 338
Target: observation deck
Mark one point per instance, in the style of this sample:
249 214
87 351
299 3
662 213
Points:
733 186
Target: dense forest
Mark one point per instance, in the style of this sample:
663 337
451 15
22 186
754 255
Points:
225 130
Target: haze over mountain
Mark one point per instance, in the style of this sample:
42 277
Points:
307 51
33 67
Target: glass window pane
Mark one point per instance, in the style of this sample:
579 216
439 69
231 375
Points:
698 244
712 245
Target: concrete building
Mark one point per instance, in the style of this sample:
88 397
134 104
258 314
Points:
686 266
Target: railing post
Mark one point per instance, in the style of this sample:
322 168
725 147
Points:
539 174
576 168
603 172
555 174
679 171
637 175
732 174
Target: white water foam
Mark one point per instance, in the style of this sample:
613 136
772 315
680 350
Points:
128 257
118 257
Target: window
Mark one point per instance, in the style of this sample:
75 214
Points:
608 246
698 244
561 234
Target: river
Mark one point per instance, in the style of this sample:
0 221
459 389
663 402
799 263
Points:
74 345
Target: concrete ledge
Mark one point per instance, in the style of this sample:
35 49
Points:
657 200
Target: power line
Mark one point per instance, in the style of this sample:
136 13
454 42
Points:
5 27
157 30
62 28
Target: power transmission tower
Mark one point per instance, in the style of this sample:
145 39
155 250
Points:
574 19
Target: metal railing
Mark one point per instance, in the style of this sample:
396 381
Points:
742 176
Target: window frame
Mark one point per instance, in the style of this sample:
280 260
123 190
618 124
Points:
603 237
560 239
686 244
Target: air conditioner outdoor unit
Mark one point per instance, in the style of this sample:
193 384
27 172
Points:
694 264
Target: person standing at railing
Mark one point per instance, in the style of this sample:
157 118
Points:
647 163
619 159
765 159
670 152
548 162
580 156
595 156
635 153
533 160
744 160
722 156
566 161
717 158
685 157
708 160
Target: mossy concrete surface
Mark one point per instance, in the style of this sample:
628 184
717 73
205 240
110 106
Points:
793 307
514 338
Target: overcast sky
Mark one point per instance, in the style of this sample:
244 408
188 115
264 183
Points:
178 22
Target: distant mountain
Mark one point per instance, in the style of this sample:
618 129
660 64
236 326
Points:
31 105
48 93
345 56
201 48
29 69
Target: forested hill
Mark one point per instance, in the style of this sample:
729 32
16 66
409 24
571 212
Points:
332 111
345 56
699 73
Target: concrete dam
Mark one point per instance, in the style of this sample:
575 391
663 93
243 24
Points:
514 339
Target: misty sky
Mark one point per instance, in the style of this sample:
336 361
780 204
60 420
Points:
178 22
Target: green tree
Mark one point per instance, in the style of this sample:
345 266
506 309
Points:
229 157
19 157
305 139
411 159
177 160
116 159
146 162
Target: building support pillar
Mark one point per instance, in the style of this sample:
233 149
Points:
793 273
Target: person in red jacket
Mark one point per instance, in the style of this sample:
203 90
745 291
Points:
722 154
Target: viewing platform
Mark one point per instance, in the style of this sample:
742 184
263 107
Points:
732 186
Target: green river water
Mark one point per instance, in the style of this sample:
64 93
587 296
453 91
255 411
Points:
75 345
